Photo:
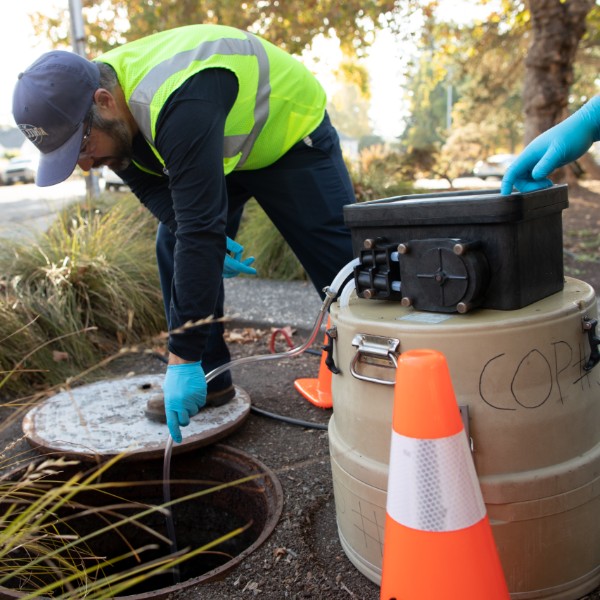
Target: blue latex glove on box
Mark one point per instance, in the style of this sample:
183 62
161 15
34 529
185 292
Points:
553 149
234 265
184 389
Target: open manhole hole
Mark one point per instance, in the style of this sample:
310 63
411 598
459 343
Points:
255 505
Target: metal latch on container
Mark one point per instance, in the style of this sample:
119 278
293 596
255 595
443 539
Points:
375 350
331 335
589 325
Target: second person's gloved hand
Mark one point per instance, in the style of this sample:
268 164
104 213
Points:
234 265
553 149
184 389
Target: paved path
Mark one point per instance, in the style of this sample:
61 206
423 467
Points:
268 303
28 209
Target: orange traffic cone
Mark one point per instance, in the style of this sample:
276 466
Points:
438 540
318 391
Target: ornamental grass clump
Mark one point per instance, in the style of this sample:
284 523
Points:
274 259
83 289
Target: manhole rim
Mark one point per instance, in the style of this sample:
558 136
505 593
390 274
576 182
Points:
273 516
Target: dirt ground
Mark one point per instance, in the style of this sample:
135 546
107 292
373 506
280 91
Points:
581 234
303 557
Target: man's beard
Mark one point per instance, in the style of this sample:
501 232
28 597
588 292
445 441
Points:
118 131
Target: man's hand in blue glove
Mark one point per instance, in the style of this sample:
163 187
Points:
184 389
553 149
234 265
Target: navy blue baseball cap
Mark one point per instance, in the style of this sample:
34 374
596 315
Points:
51 101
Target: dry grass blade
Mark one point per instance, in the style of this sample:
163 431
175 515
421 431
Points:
41 551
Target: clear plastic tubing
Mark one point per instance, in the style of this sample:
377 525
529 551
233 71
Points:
167 498
346 292
331 293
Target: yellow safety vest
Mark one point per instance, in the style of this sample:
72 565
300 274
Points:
279 101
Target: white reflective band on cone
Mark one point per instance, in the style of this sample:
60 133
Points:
432 484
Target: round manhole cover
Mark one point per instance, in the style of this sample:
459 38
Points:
107 418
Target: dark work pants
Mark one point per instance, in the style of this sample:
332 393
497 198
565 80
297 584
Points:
303 194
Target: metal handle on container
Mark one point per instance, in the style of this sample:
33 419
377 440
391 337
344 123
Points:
377 347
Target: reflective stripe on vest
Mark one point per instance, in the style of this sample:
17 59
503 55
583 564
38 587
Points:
432 484
141 98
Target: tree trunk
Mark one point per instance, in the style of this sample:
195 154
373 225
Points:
557 28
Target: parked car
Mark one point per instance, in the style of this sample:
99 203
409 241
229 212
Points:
20 168
493 166
111 180
3 165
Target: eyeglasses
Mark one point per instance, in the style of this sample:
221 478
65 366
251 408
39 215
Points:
86 135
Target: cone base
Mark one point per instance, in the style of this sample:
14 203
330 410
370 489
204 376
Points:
309 389
454 565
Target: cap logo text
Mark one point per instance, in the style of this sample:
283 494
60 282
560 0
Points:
33 133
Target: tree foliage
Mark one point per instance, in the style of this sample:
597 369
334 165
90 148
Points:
427 121
482 65
348 109
512 76
291 25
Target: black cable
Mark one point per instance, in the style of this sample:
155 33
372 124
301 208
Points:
315 352
289 420
160 356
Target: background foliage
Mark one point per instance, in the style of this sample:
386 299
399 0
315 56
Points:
467 74
292 24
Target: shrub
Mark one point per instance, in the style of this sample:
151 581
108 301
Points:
261 239
381 173
86 287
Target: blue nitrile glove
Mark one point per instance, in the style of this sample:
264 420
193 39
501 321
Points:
234 265
554 148
184 389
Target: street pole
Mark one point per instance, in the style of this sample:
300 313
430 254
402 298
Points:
78 44
77 28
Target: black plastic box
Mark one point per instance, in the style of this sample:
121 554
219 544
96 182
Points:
519 236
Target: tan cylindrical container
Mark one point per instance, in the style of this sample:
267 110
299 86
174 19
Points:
530 407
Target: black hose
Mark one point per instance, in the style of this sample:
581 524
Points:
289 420
315 352
161 357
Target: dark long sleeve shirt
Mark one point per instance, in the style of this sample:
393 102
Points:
189 196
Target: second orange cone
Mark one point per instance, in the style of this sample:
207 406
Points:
438 542
318 391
